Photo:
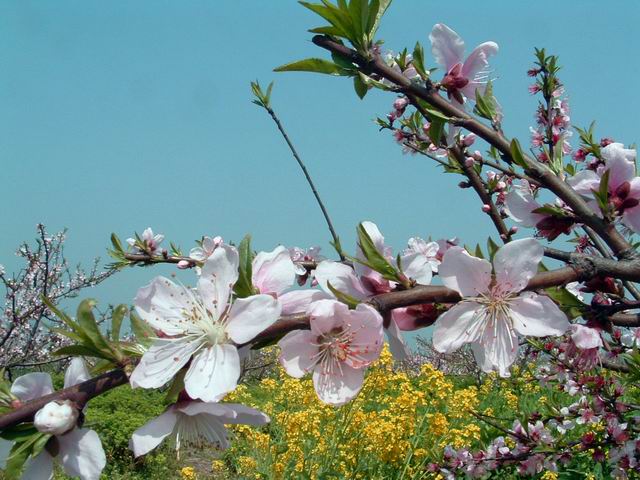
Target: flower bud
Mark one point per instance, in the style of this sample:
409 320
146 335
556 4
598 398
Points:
56 418
183 264
469 162
513 230
468 140
401 103
486 208
477 155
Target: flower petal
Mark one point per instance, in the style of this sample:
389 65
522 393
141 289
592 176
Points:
519 205
368 337
298 301
500 345
418 267
631 216
461 324
227 413
152 433
621 163
81 454
213 373
537 315
250 316
161 304
325 315
339 388
477 62
297 350
585 338
341 277
162 361
446 45
273 272
467 275
219 274
516 263
76 373
39 468
32 385
397 345
584 182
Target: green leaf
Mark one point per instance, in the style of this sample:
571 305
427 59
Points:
80 351
18 432
244 286
314 65
486 105
359 13
21 451
116 321
374 258
337 17
567 302
327 30
492 248
88 324
376 10
143 332
360 86
418 61
436 130
177 385
345 298
516 154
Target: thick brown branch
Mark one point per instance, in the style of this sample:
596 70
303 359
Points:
80 394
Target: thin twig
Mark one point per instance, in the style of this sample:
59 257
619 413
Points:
325 213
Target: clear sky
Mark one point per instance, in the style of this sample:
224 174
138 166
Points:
119 115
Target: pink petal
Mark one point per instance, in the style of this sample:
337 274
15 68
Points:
81 454
519 205
39 468
32 386
469 276
585 338
621 163
161 305
76 373
297 351
250 316
213 373
461 324
417 266
585 182
152 433
397 345
516 263
161 362
325 315
273 272
500 348
477 61
341 277
368 339
298 301
446 45
219 275
339 388
631 216
537 315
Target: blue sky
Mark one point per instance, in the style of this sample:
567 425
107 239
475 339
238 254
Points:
120 115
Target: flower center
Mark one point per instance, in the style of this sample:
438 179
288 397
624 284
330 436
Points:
338 346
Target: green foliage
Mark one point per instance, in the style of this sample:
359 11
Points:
244 286
263 99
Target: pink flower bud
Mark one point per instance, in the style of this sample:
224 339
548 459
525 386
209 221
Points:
425 127
513 230
501 185
183 264
400 103
477 155
468 140
486 208
469 162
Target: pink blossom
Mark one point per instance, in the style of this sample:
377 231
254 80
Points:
494 311
463 76
337 349
150 240
585 338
